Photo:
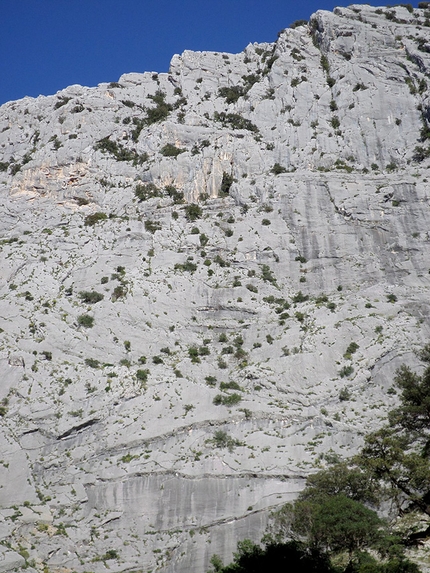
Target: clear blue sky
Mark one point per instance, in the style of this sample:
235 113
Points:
46 45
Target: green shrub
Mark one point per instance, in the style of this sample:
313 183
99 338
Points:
353 347
110 554
160 111
231 93
420 153
238 341
62 100
221 262
193 212
92 363
240 354
249 81
335 122
359 86
15 168
325 64
170 150
267 274
235 121
222 440
90 297
118 292
91 220
295 53
344 395
139 124
346 371
193 353
300 297
187 266
121 153
152 226
298 23
142 375
145 191
173 193
226 183
227 400
230 386
86 320
277 169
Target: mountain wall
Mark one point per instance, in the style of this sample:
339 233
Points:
208 279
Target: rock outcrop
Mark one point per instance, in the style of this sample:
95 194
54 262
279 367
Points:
208 279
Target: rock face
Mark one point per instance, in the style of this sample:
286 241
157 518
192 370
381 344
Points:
208 279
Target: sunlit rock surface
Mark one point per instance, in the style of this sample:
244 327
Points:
233 354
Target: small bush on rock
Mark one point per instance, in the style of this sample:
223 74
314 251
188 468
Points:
86 321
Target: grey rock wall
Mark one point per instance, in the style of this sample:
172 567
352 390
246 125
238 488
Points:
162 423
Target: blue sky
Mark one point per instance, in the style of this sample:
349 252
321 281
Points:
46 45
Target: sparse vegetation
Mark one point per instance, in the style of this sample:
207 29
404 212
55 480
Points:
86 321
226 183
235 121
170 150
231 93
121 153
277 169
91 220
193 212
90 297
145 191
160 111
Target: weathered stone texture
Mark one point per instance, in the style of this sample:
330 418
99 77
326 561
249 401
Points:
313 234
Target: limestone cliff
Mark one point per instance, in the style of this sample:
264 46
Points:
207 280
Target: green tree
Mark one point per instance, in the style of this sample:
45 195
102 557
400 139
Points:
342 478
335 523
398 453
342 524
293 556
390 457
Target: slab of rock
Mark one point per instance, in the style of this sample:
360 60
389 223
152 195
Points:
184 261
